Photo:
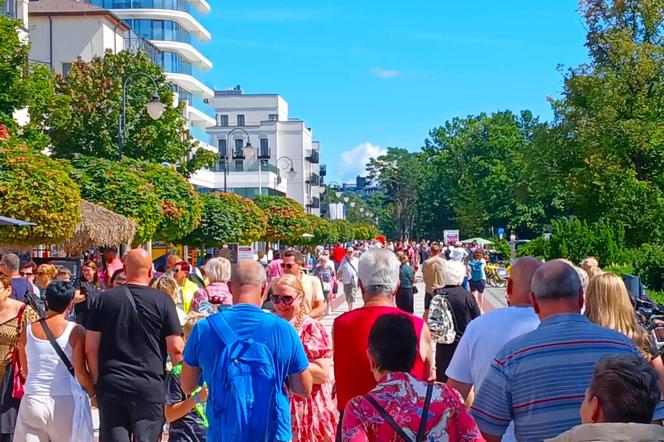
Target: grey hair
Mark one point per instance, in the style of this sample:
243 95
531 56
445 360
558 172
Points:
378 271
453 273
218 270
11 261
556 279
248 272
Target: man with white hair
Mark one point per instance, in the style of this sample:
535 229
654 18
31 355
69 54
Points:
378 273
462 306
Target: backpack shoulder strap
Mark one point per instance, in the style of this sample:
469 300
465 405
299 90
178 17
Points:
56 347
421 433
386 416
223 329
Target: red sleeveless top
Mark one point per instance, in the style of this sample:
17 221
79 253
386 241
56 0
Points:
350 334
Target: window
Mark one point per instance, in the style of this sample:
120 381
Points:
66 67
222 149
239 165
223 120
264 151
273 117
239 143
240 120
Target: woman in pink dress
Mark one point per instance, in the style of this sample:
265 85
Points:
313 419
401 408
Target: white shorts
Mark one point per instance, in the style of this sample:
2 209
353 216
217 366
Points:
44 419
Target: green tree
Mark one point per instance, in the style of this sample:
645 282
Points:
181 206
227 218
345 230
398 175
286 218
36 188
121 188
603 154
323 229
95 92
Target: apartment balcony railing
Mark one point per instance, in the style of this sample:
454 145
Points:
175 5
237 167
312 157
264 153
323 170
314 203
135 43
313 179
9 8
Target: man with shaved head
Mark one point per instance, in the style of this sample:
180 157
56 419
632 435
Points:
259 346
539 379
131 331
487 334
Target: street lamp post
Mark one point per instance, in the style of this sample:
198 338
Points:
290 173
247 151
155 108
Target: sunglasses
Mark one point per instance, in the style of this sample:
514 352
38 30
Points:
25 274
287 266
287 300
41 273
177 270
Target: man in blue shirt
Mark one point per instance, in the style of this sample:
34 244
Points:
538 380
247 321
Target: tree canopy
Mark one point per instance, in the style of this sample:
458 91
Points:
286 220
95 93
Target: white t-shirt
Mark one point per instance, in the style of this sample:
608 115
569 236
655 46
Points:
482 340
458 254
348 270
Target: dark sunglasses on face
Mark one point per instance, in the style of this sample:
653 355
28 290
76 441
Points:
287 266
25 274
287 300
176 270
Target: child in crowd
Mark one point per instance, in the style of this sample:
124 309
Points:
186 416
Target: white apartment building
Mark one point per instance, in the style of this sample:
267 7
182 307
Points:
17 9
284 147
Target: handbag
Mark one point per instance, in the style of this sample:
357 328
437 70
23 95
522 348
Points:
415 290
18 379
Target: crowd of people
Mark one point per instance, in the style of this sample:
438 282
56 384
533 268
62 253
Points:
238 352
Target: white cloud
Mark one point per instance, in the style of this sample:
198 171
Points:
385 73
354 161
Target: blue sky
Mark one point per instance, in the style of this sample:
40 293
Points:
369 74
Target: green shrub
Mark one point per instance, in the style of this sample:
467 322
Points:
538 248
649 266
656 296
620 269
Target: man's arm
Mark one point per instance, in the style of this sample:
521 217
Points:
318 303
175 348
301 383
92 341
189 378
463 389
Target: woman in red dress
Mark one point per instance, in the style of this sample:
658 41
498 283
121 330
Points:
313 419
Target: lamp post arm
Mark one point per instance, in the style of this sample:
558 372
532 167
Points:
122 126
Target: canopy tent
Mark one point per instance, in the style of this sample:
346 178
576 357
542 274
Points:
99 227
480 241
6 221
307 235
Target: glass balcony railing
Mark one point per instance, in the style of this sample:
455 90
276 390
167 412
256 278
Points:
238 166
135 43
166 30
175 5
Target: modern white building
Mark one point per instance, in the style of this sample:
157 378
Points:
283 147
171 26
17 9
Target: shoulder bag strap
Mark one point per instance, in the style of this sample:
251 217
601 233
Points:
57 347
351 265
388 418
421 434
139 318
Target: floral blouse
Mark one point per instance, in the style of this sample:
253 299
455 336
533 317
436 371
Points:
403 397
314 419
10 333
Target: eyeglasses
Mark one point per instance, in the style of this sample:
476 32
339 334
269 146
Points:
41 273
25 274
287 266
176 270
287 300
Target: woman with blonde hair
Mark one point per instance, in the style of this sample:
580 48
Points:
608 304
591 266
169 286
312 418
45 274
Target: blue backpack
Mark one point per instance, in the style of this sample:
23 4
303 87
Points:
243 400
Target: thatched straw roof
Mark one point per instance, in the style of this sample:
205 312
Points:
99 227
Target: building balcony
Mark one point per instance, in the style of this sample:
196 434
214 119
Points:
183 18
323 171
199 118
264 153
190 53
191 84
175 5
313 179
202 6
135 43
312 157
314 203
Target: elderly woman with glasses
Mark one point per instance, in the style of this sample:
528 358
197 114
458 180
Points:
312 418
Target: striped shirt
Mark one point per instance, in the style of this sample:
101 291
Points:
539 379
